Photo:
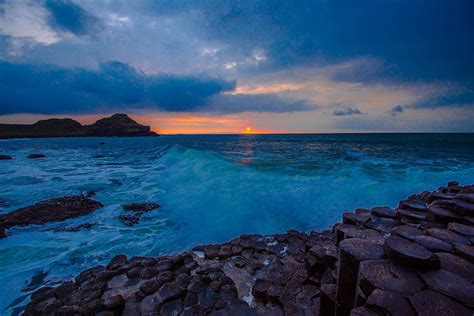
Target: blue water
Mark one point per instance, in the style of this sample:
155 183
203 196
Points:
211 189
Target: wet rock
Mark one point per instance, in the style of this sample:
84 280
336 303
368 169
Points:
355 218
389 303
140 208
456 205
53 210
411 254
468 197
382 225
457 265
461 229
450 285
442 215
428 303
433 244
129 220
412 205
384 212
36 156
387 276
465 251
5 157
407 231
447 236
412 214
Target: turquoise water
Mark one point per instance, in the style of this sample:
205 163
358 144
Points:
211 189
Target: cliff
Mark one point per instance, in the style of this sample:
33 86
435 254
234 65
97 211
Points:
116 125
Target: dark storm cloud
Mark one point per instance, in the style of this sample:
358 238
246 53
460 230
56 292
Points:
348 111
48 89
237 103
66 16
397 110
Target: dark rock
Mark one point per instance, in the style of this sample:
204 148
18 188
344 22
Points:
469 197
5 157
328 300
380 224
448 236
457 206
412 214
453 184
387 276
384 212
407 231
196 286
115 302
355 218
129 220
150 286
140 208
53 210
75 228
352 252
389 303
461 229
465 251
362 311
433 244
428 303
36 156
117 262
442 215
451 285
408 253
413 205
171 308
457 265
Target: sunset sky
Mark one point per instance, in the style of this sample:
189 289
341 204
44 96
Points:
223 66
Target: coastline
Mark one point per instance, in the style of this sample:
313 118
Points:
382 260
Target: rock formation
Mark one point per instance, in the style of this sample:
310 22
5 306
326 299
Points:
116 125
52 210
403 261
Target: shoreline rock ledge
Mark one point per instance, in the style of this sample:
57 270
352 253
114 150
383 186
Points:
416 259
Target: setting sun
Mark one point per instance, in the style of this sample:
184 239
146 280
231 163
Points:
248 130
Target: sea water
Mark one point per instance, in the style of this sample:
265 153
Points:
211 188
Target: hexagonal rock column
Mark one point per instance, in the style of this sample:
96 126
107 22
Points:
409 253
351 253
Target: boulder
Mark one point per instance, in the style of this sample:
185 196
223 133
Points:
465 251
140 208
5 157
384 212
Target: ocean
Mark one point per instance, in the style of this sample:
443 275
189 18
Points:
211 189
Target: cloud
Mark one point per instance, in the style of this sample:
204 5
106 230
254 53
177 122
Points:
347 112
49 89
237 103
66 16
397 110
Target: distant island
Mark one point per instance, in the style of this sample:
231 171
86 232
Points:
116 125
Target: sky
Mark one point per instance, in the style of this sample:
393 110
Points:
225 66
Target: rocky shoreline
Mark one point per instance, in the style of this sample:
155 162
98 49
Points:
417 259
